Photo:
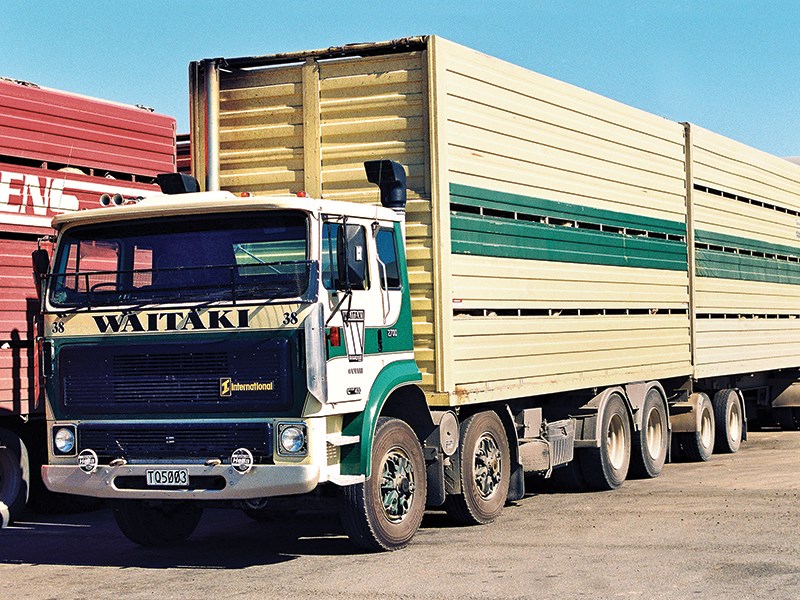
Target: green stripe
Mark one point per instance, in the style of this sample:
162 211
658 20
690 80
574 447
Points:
728 265
529 205
502 237
731 241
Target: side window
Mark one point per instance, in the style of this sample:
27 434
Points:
387 256
330 263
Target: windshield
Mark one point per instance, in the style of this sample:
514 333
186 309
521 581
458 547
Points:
260 255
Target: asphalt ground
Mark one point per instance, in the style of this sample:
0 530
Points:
728 528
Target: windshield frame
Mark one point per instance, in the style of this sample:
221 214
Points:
234 289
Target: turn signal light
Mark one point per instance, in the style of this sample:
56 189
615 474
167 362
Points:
335 337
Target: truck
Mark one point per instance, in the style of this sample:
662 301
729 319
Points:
59 152
409 275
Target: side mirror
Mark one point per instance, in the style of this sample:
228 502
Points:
351 250
41 263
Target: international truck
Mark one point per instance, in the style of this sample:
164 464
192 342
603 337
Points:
59 152
409 275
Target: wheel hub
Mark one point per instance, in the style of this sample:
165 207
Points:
397 485
488 465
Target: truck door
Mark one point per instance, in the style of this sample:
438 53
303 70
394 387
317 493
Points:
354 307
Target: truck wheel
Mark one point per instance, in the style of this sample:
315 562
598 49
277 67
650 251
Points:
14 476
729 422
485 471
698 446
152 523
606 467
650 442
385 511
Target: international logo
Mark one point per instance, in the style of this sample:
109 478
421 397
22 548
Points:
227 386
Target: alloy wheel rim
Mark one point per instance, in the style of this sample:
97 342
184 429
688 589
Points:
397 485
487 466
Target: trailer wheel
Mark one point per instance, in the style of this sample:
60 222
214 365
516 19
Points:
14 476
606 467
729 421
151 523
385 511
650 442
485 471
698 446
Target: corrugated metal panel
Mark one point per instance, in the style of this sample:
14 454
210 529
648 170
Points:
373 108
499 356
544 147
746 345
18 305
513 130
261 131
67 129
30 197
746 210
481 282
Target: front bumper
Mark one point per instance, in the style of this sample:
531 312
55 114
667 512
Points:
261 481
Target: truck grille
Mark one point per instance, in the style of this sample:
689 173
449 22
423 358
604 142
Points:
201 377
175 440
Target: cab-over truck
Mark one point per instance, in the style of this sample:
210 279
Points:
553 283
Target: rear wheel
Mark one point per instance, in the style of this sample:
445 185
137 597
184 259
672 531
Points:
698 446
485 471
729 421
14 476
650 442
385 511
151 523
606 467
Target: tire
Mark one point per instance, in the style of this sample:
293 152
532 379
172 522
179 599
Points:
385 511
729 421
606 468
698 446
14 476
649 452
485 470
150 523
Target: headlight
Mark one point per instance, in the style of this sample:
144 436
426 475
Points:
292 438
64 440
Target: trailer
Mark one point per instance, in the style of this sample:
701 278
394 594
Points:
59 153
553 283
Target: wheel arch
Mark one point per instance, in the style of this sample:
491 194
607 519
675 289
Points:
394 393
588 429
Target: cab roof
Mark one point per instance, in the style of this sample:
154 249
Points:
163 205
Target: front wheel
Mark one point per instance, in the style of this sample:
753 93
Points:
14 476
485 471
385 511
152 523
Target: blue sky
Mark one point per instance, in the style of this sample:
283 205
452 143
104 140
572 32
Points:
730 66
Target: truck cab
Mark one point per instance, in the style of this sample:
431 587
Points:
204 347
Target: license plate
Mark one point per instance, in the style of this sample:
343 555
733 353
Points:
168 477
